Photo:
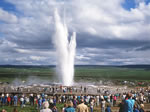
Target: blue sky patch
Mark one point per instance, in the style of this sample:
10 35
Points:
131 4
128 4
147 1
7 6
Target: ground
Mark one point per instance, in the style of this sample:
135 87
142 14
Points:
59 106
134 76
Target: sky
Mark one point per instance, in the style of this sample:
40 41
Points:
110 32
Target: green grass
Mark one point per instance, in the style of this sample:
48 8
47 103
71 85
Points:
114 73
97 73
27 108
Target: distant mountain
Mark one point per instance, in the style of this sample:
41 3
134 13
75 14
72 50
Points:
26 66
136 66
90 66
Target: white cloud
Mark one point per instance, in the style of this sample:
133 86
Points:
80 57
91 31
23 50
30 34
105 19
7 17
112 21
37 58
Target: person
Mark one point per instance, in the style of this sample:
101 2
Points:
46 107
4 110
54 109
82 107
12 100
74 102
111 100
63 109
92 105
8 100
129 103
15 110
108 109
121 106
142 108
31 100
22 102
141 98
15 100
149 97
54 101
40 103
103 105
70 107
114 100
97 100
135 108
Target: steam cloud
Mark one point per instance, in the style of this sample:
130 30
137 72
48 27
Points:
65 51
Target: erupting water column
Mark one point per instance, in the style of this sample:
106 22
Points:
65 51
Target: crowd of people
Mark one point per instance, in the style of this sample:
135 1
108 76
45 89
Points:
127 102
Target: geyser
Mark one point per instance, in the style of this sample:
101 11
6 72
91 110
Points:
65 51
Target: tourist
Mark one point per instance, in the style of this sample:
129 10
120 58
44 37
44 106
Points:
79 98
87 99
0 101
8 100
74 102
129 103
102 105
22 101
54 109
63 109
45 107
141 98
97 100
135 108
121 106
92 105
85 89
15 100
123 96
108 109
111 99
108 98
12 100
70 107
114 100
31 99
5 99
149 97
51 102
82 107
3 110
142 108
15 110
54 101
40 103
26 100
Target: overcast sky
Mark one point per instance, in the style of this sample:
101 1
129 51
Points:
109 32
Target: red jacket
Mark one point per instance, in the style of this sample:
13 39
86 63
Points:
8 99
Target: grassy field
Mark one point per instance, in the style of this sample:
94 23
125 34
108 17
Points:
8 74
27 108
59 107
